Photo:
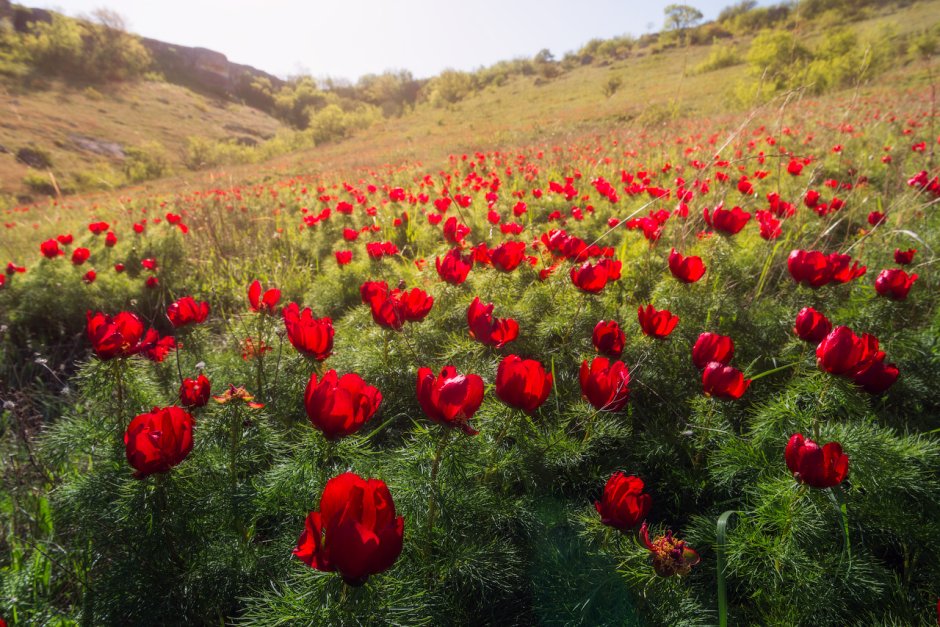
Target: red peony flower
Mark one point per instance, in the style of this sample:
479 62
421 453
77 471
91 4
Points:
450 399
484 328
187 311
608 339
624 505
50 249
726 221
686 269
195 392
343 257
340 406
522 383
507 256
592 278
658 324
723 381
80 256
119 336
455 267
399 307
311 336
844 353
605 384
711 347
904 257
266 303
811 326
894 283
355 533
158 440
816 466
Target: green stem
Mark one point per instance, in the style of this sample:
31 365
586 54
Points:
837 496
435 467
722 565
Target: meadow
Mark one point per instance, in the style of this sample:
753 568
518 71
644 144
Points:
677 369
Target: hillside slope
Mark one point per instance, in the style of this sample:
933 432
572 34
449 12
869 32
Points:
86 131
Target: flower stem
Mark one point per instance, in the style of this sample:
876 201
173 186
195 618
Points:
435 467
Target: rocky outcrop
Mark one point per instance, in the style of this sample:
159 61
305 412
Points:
203 69
6 10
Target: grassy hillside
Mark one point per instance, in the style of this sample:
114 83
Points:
78 127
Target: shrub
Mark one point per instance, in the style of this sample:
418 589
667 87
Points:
611 86
720 56
145 162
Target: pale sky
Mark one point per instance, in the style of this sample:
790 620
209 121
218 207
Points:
349 38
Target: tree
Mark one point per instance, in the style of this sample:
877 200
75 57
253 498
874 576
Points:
680 17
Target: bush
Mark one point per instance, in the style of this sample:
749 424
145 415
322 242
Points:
145 162
611 86
720 56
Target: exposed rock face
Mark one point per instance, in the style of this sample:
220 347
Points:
102 147
203 69
6 10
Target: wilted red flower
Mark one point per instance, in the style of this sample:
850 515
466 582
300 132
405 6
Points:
250 350
686 269
119 336
450 399
507 256
50 249
671 556
592 278
711 347
195 392
356 532
894 283
12 269
484 328
658 324
723 381
80 256
187 311
233 393
340 406
266 303
726 221
844 353
455 267
311 336
811 326
816 466
522 383
605 384
608 339
158 440
624 504
904 257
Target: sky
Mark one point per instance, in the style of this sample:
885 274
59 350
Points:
349 38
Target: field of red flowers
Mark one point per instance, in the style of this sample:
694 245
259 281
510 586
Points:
674 375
